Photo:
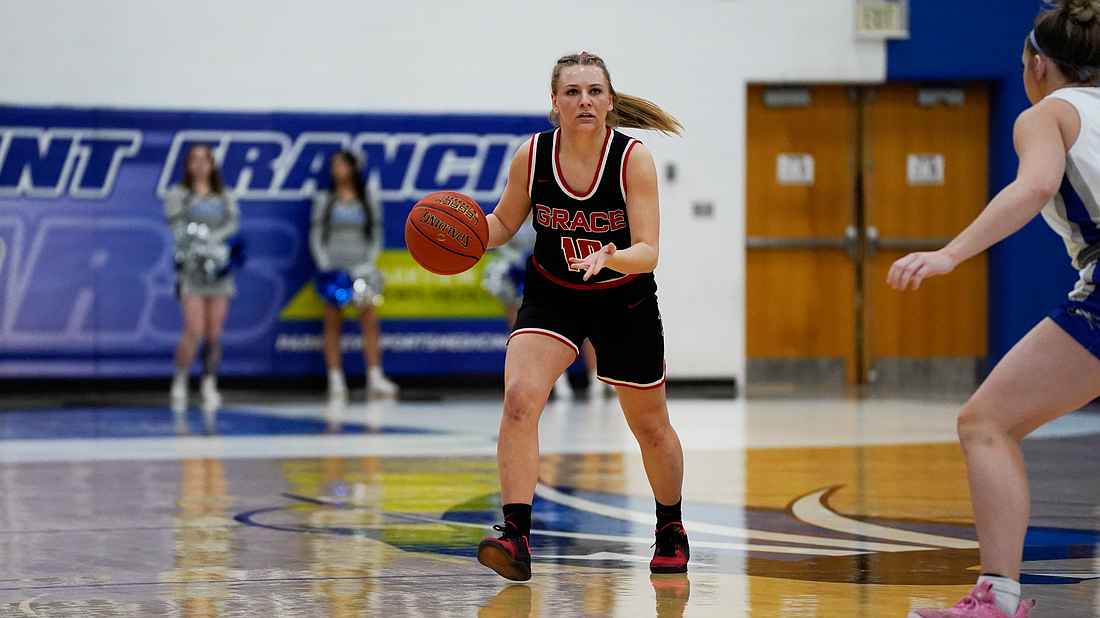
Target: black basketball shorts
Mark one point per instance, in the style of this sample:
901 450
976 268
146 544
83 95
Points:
624 326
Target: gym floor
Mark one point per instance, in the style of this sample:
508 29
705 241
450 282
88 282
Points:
288 507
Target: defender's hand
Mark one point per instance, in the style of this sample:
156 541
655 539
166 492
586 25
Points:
916 267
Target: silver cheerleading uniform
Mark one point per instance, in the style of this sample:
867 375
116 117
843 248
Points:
345 245
201 225
496 275
520 245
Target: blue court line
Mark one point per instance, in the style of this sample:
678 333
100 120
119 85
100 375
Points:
152 422
126 529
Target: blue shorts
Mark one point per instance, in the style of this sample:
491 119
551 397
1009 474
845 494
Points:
1081 323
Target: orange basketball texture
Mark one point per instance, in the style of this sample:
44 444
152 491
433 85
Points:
446 232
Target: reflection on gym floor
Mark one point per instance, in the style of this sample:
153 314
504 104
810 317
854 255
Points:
795 507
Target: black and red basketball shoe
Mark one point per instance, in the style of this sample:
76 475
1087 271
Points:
671 551
509 556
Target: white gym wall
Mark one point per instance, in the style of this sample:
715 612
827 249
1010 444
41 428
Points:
692 57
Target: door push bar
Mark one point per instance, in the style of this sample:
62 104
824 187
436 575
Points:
849 242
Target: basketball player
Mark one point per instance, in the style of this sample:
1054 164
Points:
203 215
346 234
1055 368
593 192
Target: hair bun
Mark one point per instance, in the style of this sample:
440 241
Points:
1081 11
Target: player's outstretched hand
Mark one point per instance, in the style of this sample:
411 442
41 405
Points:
910 270
593 263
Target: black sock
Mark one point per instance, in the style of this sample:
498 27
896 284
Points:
668 514
517 515
211 357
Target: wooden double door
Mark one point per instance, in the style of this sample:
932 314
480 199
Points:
841 181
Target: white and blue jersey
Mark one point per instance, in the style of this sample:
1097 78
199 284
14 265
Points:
1074 212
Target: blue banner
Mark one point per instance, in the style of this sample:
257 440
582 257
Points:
87 281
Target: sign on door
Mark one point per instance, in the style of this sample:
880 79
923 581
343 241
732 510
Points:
924 169
794 169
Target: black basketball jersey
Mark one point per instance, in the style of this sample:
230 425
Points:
569 223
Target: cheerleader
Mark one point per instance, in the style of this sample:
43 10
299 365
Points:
346 235
203 216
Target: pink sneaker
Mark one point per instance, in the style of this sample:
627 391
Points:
980 603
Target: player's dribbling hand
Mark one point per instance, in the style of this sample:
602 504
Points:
910 270
593 263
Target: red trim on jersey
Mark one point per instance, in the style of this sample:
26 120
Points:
602 285
546 333
531 165
599 166
626 155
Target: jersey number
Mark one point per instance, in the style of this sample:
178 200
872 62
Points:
570 249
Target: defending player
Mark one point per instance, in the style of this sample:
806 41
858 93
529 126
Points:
1055 368
593 191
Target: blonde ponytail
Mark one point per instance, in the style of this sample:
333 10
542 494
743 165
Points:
632 112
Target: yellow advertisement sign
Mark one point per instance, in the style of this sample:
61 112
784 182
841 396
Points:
411 292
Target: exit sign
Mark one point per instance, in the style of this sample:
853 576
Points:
882 19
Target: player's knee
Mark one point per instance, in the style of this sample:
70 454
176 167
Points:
652 430
522 402
974 426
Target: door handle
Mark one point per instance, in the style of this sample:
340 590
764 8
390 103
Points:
875 243
849 242
811 242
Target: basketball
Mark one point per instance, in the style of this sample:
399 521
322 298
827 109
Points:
446 233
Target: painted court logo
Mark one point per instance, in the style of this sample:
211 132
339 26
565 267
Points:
807 541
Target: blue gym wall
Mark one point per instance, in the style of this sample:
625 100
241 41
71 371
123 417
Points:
954 40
